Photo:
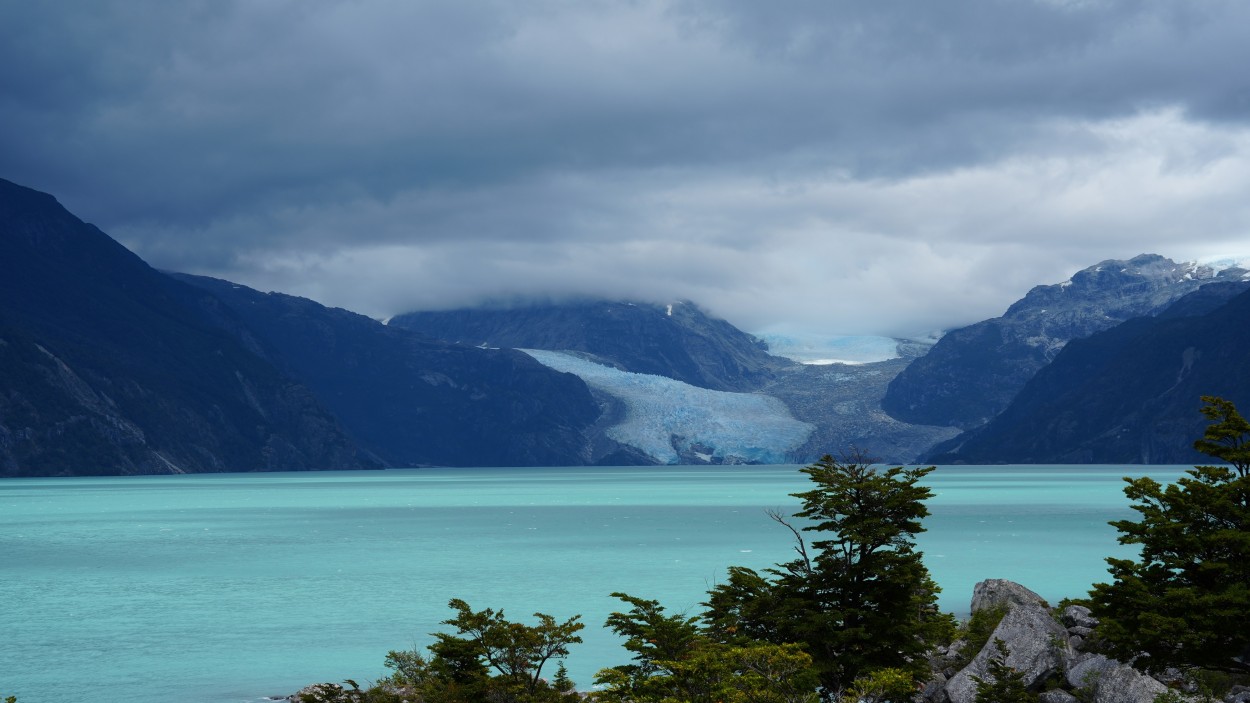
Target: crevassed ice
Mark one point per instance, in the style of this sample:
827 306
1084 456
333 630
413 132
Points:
736 426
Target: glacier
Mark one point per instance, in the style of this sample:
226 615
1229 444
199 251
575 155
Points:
667 419
819 349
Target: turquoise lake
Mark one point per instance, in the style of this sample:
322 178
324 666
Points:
232 587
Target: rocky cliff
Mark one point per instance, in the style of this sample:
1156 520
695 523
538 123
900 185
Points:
110 367
973 373
1128 394
1046 647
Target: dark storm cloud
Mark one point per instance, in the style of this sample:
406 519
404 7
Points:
855 167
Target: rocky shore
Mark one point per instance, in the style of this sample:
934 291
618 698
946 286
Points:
1046 646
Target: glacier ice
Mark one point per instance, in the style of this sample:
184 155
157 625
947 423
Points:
665 417
831 349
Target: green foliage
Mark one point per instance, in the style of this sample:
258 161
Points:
489 658
674 662
516 651
861 599
562 683
655 638
1005 684
1183 602
408 668
976 632
1227 438
332 693
883 686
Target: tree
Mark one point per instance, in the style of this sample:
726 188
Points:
861 598
1227 438
517 651
1005 684
1183 602
675 662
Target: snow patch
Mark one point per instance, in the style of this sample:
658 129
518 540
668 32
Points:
664 417
1221 263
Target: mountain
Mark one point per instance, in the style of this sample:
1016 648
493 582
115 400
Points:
843 404
108 366
679 386
677 341
1128 394
413 400
972 373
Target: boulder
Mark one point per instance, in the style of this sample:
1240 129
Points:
1056 696
1124 684
1083 670
326 693
1037 644
1108 681
994 593
1078 616
1238 694
934 690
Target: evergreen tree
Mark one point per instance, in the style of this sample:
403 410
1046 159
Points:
1183 602
675 663
861 599
515 650
1005 684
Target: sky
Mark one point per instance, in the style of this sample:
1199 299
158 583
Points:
814 166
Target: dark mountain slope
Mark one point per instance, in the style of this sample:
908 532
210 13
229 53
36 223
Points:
110 367
1129 394
972 373
414 400
678 341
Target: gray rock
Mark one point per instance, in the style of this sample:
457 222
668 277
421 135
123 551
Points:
1238 694
1124 684
1083 670
1037 646
1109 681
935 690
1056 696
326 693
992 593
1080 631
1078 616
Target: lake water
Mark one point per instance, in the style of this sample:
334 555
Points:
231 587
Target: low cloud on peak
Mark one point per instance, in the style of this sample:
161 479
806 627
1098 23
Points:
858 168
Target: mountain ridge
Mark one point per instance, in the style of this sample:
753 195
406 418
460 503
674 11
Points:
972 373
110 368
1130 393
676 340
412 399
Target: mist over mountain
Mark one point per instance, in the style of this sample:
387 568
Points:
108 366
111 367
1127 394
413 400
676 340
974 372
679 386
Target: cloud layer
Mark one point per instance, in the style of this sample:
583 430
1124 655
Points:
835 167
